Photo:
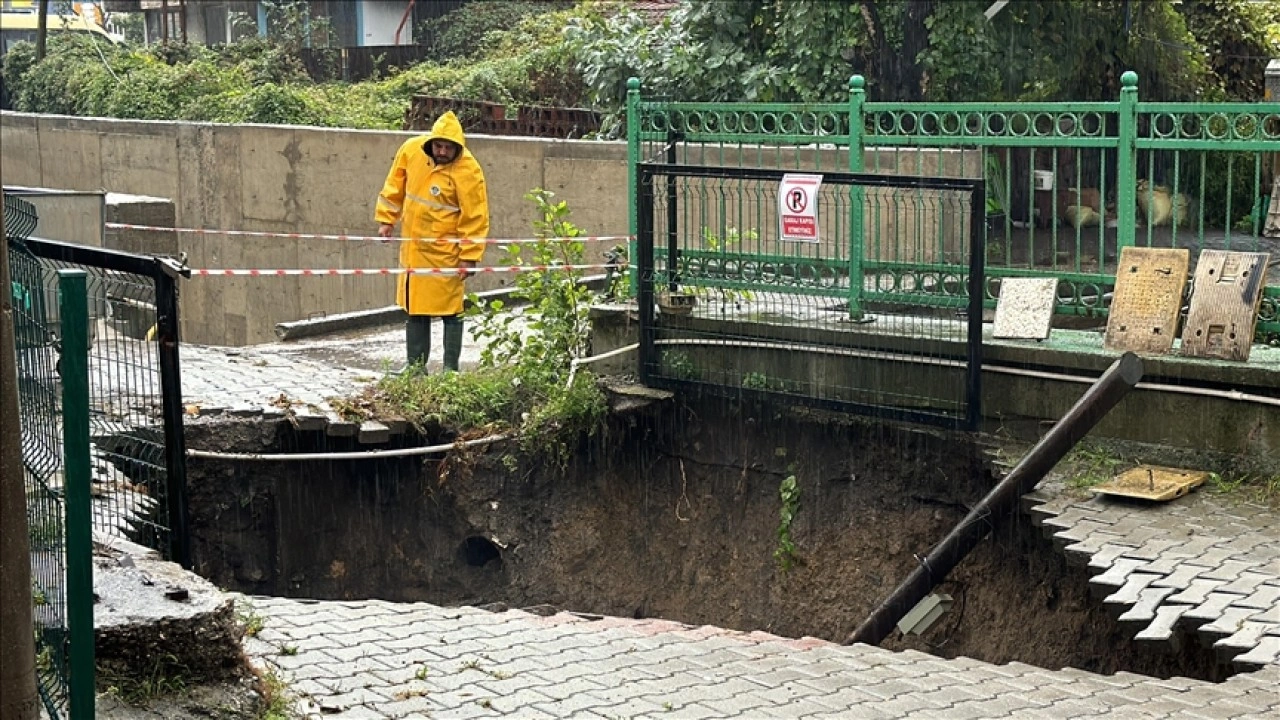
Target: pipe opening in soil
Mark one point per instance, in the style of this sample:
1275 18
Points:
479 552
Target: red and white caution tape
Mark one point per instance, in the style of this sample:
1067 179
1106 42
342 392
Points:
332 272
357 238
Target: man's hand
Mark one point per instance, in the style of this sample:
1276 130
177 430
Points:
465 267
385 230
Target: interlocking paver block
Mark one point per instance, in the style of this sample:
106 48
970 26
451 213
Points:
1118 574
1164 625
1144 610
1108 554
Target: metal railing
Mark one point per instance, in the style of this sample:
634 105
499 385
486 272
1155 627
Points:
1068 184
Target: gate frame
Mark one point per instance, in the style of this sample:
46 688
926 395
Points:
165 273
975 282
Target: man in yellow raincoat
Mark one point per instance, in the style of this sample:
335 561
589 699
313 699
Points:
437 193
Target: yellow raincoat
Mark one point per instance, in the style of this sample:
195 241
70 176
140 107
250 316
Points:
434 202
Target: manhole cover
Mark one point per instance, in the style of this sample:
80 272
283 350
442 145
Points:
1150 482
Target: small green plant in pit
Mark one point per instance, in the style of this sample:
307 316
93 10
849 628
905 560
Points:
275 697
248 616
789 492
422 673
679 365
289 650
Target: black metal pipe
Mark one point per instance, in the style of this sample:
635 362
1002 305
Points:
1101 397
175 445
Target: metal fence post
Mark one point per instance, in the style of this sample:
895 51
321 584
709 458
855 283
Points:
175 445
1127 163
857 195
633 159
644 276
73 305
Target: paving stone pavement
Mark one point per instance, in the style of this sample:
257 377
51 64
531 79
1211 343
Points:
1201 567
399 660
1205 565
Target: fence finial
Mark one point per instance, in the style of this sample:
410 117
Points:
857 82
1129 79
633 84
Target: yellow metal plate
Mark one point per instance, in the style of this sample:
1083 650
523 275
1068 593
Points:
1151 482
1224 305
1147 300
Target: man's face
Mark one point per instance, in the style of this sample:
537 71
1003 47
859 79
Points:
443 151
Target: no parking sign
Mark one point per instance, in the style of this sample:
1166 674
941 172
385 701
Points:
798 207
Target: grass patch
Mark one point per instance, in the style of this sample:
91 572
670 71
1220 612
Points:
532 400
1092 463
161 677
1259 488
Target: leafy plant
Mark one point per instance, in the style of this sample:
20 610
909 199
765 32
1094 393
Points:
785 553
524 383
557 300
679 365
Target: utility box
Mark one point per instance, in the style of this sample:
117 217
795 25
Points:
1271 88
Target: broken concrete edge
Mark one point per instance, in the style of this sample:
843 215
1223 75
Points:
153 609
393 314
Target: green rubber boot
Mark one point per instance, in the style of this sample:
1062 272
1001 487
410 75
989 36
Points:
452 342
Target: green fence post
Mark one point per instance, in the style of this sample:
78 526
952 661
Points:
633 159
1127 163
857 195
73 303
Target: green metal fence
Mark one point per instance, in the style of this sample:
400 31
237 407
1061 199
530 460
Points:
54 417
1069 184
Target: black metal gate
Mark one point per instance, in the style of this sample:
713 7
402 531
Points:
136 426
857 292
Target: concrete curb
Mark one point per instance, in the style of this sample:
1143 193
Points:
391 315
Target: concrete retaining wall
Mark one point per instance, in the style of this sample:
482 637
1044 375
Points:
301 179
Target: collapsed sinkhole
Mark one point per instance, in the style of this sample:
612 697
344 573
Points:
672 511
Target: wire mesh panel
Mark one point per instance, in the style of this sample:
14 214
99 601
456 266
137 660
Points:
873 309
41 440
134 422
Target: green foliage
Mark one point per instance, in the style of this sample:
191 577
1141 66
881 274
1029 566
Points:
557 300
464 33
1238 38
785 553
525 381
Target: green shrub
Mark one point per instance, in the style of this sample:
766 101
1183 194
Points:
461 34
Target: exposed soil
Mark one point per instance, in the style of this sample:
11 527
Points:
673 513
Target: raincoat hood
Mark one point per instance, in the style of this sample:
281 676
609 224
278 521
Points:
448 128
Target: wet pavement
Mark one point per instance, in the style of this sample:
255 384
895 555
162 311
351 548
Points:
1203 567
